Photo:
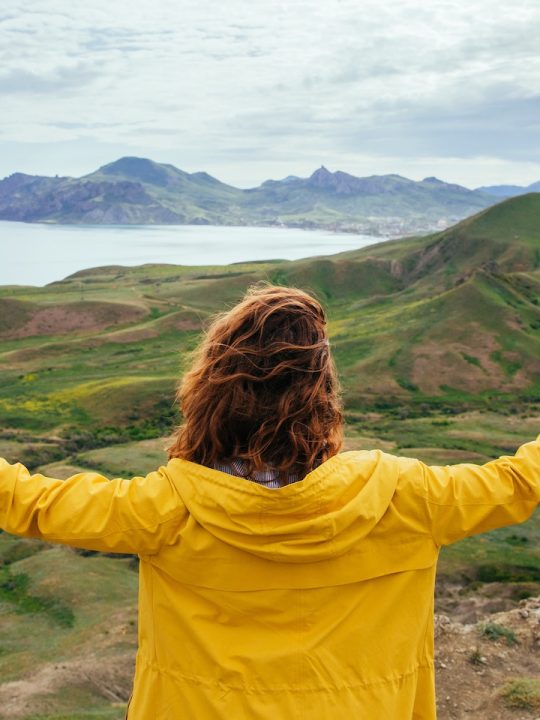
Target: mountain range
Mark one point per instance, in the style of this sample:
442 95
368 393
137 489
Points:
135 190
506 191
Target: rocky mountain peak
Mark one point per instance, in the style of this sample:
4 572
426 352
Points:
321 177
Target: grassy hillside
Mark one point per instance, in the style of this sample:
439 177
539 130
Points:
437 341
451 322
68 633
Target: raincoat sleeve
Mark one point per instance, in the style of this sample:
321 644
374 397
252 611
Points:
89 511
466 499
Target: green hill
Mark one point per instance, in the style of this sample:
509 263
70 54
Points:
437 340
451 320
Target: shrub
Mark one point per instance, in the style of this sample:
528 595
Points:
14 589
493 631
476 658
18 550
41 454
522 693
507 573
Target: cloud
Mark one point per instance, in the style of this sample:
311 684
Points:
275 79
58 80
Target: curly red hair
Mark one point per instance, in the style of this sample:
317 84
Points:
262 387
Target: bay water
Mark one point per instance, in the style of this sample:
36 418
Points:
36 254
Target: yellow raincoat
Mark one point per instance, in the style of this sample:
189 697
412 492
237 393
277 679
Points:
310 601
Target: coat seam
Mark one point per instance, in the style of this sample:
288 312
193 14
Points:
152 604
479 504
285 688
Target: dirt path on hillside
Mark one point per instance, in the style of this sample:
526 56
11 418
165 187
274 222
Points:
107 677
103 667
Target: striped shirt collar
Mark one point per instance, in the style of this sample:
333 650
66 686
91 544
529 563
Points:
269 477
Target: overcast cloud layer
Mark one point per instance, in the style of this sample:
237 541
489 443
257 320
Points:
251 89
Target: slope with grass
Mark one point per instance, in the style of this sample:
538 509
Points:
437 341
67 634
448 321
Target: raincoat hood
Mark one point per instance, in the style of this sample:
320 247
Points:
317 518
314 532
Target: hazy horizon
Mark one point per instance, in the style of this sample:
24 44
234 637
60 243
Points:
244 186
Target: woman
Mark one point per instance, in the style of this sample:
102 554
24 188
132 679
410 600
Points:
279 578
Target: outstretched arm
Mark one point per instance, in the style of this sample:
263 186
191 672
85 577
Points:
462 500
87 510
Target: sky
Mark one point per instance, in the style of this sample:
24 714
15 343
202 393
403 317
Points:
254 89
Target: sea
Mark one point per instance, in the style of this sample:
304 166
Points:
37 254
